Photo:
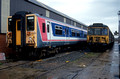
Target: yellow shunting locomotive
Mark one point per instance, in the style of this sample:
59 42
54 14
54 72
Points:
99 34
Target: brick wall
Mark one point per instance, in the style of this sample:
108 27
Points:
3 46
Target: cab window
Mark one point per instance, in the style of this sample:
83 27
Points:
104 31
30 23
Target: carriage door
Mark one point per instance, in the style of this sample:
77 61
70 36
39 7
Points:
18 32
67 34
48 32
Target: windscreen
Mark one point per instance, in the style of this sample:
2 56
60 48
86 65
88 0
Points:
30 23
97 31
104 31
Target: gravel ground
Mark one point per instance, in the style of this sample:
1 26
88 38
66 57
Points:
56 61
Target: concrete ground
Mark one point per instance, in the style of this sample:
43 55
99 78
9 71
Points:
69 65
104 67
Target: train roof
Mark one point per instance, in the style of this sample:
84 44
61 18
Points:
53 10
98 25
59 22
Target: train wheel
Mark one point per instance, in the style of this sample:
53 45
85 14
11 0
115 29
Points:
40 54
56 50
33 54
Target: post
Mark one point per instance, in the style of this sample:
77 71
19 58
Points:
119 29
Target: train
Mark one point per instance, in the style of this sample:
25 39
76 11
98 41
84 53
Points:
99 36
34 34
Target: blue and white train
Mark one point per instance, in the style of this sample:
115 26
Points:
37 32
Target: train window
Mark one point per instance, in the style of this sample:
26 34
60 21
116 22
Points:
104 31
90 31
78 34
97 31
58 30
47 28
30 23
85 35
43 27
73 33
18 25
9 24
81 34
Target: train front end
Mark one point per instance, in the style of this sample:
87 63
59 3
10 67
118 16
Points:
22 30
98 34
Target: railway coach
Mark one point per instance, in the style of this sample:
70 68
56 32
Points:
32 32
99 36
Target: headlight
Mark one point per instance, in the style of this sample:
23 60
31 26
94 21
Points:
30 38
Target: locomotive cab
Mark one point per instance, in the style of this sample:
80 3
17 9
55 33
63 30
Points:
21 30
98 33
31 30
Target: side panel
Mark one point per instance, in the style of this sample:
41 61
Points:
63 37
41 21
55 40
39 39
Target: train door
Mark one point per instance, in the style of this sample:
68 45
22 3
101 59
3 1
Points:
48 32
18 32
66 34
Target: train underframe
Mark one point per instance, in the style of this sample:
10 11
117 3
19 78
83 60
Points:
30 52
100 46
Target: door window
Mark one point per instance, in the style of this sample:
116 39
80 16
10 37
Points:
18 25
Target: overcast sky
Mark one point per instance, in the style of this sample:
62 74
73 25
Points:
89 11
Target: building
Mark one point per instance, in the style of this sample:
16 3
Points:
9 7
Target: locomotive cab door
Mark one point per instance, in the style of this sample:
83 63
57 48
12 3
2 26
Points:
18 32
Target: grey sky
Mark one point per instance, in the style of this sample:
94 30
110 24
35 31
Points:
89 11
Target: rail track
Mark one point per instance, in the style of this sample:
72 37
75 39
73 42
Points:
46 65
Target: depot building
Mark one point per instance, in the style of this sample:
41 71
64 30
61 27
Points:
10 7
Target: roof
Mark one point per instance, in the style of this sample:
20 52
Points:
53 10
68 25
98 25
